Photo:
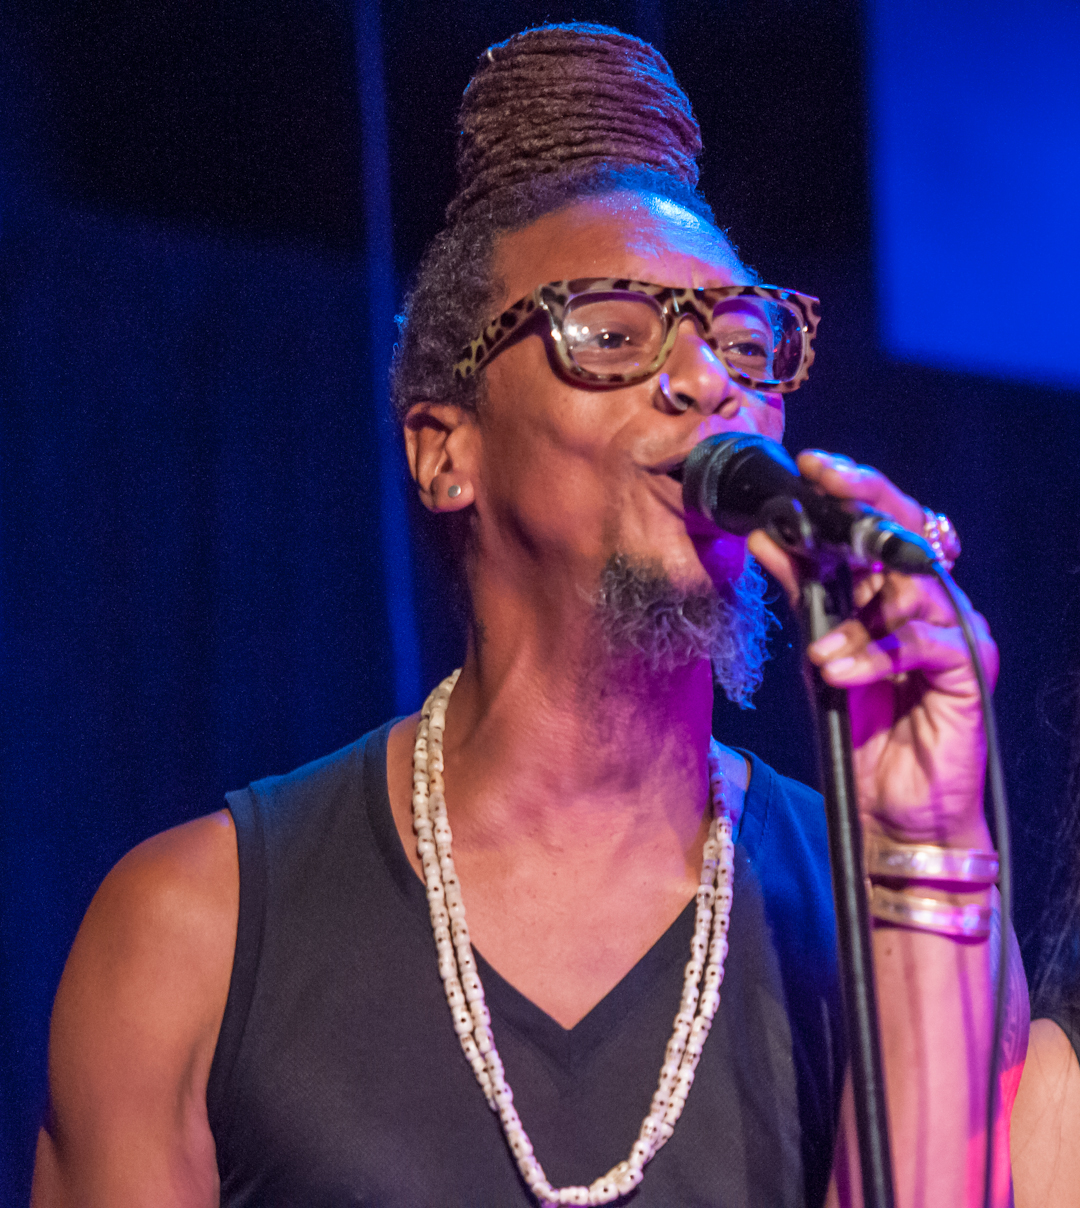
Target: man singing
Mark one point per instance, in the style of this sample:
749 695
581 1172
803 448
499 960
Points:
550 942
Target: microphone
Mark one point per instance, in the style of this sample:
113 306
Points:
743 481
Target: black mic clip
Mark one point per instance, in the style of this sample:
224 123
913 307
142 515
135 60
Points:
872 541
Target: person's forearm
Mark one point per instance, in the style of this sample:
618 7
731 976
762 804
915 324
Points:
935 1003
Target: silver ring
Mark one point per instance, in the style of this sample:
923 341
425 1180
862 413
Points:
942 537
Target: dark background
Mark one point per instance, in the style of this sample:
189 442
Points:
210 567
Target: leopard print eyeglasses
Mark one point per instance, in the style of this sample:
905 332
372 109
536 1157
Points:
613 332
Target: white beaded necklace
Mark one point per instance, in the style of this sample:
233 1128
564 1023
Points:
465 994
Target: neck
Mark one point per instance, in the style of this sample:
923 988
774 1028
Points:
547 735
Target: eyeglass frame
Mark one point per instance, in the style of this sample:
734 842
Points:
675 304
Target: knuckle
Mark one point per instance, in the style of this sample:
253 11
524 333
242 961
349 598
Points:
858 635
903 595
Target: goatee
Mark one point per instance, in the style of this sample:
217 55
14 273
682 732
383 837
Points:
645 616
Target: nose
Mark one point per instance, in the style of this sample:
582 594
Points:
697 377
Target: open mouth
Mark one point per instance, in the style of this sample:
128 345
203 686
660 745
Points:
670 467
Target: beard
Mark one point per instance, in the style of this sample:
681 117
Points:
647 618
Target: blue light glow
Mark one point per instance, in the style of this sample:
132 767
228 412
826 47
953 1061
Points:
976 155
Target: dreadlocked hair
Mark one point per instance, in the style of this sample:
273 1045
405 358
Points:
551 116
570 95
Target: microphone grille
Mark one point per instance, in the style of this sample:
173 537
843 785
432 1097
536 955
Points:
706 463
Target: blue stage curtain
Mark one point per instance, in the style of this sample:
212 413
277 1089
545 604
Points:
205 567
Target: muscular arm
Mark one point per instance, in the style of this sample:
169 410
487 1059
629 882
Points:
1046 1122
134 1028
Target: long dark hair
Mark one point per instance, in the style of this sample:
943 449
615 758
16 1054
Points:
1056 980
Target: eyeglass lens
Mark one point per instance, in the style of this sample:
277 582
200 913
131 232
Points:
623 333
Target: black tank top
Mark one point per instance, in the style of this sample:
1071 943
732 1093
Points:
1067 1018
338 1079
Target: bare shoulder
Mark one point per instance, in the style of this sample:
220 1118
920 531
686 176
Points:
1045 1130
162 925
135 1025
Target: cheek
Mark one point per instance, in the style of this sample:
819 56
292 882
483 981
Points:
771 421
534 412
545 445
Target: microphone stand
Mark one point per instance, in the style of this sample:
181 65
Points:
826 601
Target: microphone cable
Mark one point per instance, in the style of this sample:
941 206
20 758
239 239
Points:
999 814
743 481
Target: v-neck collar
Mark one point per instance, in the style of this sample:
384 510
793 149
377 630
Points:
570 1048
565 1048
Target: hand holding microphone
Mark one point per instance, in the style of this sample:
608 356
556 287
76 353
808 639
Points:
748 484
744 481
904 625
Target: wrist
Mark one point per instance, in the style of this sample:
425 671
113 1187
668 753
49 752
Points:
931 887
927 908
960 868
971 833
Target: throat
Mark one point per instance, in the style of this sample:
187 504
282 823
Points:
538 750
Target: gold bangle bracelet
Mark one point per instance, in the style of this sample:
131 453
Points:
928 862
968 921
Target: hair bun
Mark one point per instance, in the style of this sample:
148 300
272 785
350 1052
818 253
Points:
561 97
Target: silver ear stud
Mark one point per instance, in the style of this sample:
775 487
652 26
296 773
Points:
453 491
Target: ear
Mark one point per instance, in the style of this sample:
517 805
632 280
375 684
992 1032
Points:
442 443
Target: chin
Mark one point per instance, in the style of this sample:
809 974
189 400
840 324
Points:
721 556
692 553
694 562
678 561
